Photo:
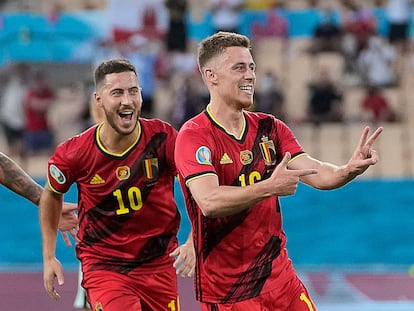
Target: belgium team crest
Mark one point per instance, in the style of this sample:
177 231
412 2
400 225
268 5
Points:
267 147
151 169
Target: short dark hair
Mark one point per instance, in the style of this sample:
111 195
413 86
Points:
116 65
217 43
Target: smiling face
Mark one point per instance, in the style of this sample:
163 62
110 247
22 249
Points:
119 96
231 76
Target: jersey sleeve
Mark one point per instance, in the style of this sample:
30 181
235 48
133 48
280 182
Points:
289 143
193 154
170 147
59 172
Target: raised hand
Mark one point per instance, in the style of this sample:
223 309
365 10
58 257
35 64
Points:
364 155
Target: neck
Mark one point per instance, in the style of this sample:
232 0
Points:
231 120
114 142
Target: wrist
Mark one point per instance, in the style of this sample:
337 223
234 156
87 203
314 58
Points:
349 174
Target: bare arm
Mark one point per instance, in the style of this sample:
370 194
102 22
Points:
332 176
13 177
50 208
216 200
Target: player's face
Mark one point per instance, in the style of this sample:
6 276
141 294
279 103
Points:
236 77
121 100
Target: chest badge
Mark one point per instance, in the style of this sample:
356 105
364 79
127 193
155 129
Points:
246 157
123 172
267 147
151 168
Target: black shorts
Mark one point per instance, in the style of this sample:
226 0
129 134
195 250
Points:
12 135
398 32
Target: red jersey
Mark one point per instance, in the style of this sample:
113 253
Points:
128 218
36 118
243 255
377 105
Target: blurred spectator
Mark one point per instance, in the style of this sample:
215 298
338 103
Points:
144 59
66 115
177 29
375 106
275 24
270 97
358 24
328 34
188 97
399 14
226 14
274 29
11 110
128 18
325 99
38 100
376 63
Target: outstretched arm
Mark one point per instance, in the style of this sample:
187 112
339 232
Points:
331 176
13 177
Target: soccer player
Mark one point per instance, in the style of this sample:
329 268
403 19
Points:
233 165
128 220
13 177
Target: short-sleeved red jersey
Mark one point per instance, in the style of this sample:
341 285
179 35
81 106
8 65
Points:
242 255
128 218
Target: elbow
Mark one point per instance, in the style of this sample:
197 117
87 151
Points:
206 203
214 210
208 210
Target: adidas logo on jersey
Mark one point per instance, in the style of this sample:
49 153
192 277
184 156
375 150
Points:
97 180
225 159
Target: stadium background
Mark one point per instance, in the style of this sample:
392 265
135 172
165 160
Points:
353 246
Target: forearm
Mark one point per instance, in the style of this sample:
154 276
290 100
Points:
229 200
50 208
330 176
17 180
217 200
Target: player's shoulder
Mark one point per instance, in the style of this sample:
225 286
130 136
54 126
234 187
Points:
77 143
257 115
156 124
260 117
197 123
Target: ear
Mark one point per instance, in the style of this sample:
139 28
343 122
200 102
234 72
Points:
98 99
209 75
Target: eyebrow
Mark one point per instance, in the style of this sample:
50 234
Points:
128 88
244 64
